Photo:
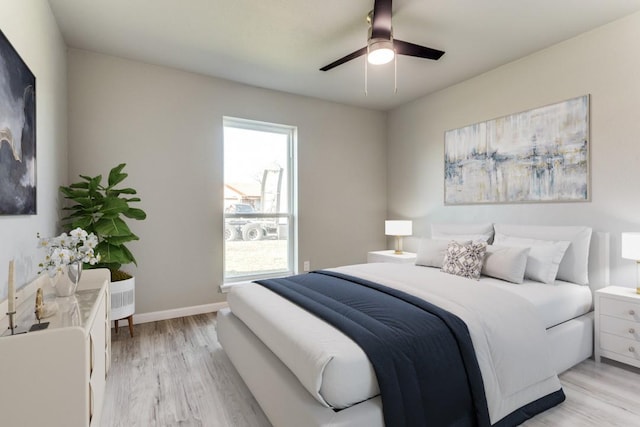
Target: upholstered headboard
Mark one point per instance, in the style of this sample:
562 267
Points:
576 265
599 259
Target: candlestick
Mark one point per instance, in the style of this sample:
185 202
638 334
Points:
11 294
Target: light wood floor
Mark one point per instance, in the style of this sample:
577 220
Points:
174 373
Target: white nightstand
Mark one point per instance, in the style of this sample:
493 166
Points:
617 325
390 256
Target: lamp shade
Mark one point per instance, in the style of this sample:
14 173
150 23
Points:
631 246
398 228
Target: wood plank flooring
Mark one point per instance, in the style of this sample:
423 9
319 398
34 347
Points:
174 373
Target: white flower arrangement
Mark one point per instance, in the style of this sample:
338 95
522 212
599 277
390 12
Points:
77 246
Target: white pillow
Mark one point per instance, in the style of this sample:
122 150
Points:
575 264
459 232
431 252
543 259
506 263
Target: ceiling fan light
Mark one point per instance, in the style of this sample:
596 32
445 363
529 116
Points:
380 52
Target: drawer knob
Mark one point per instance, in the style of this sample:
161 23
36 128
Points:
632 331
632 312
632 350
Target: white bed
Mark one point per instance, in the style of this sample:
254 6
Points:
298 380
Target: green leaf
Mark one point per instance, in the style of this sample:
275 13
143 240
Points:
113 254
83 223
135 213
119 240
86 178
84 185
128 255
115 175
95 183
122 191
73 194
108 227
113 206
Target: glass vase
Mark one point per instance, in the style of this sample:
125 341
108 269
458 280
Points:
66 281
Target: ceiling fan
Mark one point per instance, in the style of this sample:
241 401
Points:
381 46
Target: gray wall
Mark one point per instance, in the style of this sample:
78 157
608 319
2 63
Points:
33 32
604 63
167 126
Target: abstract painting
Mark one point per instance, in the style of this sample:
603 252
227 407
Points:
540 155
17 133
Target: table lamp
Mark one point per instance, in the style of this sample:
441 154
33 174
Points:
631 250
398 229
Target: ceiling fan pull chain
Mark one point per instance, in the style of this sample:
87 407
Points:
395 74
366 68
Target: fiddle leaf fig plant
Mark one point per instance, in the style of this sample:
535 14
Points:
101 210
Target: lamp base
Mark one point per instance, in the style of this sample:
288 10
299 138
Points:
398 250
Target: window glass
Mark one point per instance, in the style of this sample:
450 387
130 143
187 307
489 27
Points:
258 220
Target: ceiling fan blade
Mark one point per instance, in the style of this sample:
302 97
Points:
410 49
344 59
381 25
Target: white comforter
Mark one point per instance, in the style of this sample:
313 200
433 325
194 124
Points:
508 337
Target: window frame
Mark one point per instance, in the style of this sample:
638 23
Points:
291 133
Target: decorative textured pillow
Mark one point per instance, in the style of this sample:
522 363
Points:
544 256
464 259
505 263
462 232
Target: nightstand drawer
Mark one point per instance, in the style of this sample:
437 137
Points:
628 310
620 327
622 346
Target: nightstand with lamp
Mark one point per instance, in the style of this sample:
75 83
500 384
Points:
617 313
398 229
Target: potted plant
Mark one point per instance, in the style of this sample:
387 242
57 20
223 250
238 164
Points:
101 210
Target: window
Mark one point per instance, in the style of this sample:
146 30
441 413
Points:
259 200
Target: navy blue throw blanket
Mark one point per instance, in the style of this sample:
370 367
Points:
422 355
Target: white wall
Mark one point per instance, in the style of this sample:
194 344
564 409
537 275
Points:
33 32
166 125
604 63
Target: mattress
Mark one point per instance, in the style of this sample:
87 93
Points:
555 303
333 368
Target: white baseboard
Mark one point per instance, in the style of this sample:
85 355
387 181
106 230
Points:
174 313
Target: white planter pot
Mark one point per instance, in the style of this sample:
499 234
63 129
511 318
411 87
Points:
123 298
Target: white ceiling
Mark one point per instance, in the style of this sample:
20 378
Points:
281 44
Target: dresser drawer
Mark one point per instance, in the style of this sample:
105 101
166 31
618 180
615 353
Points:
622 346
620 327
627 310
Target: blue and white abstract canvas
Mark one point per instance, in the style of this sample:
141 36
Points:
540 155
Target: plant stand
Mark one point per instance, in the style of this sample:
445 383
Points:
123 302
130 320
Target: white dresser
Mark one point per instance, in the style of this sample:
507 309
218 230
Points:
56 377
617 325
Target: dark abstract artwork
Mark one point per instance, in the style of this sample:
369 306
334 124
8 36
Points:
17 133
